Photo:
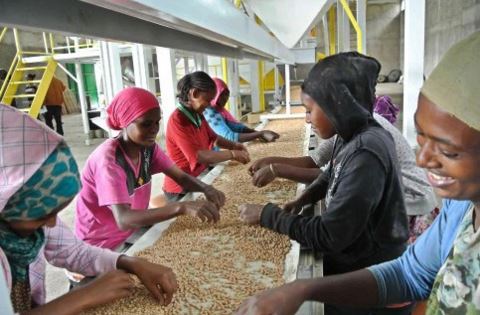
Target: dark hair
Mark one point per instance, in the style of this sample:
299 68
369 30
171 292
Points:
195 80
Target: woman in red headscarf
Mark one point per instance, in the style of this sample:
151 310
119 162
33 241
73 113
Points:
116 180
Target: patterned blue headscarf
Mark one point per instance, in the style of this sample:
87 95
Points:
53 185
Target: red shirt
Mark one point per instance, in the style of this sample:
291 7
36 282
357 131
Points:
183 142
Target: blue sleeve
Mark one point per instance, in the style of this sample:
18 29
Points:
411 276
218 124
236 126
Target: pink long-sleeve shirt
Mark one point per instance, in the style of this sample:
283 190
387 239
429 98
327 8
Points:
62 249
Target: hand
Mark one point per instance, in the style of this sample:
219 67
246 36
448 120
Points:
105 289
294 206
269 136
240 146
263 176
240 156
250 213
158 279
203 209
215 196
258 164
284 300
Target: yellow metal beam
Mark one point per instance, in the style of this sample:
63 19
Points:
43 88
261 86
225 77
332 30
355 25
15 75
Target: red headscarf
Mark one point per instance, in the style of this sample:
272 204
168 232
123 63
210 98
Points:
221 86
128 105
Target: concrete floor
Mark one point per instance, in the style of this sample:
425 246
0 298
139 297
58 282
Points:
56 282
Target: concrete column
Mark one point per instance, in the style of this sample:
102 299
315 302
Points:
287 88
168 81
140 65
83 102
413 64
362 22
254 86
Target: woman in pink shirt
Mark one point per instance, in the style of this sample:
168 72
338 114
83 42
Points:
39 179
116 180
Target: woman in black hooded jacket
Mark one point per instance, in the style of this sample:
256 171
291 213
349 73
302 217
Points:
365 221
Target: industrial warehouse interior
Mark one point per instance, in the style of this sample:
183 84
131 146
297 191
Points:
239 157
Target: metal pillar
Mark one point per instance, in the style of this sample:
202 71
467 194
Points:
276 78
168 81
140 64
362 22
201 62
82 96
261 84
112 70
287 88
115 67
343 28
326 38
414 63
254 85
106 75
233 86
185 65
83 102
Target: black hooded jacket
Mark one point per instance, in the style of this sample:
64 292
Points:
365 220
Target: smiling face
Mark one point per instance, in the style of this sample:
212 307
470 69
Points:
449 151
199 100
143 130
314 115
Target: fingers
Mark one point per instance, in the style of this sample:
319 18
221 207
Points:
156 290
252 169
244 157
257 180
208 212
219 199
212 211
169 286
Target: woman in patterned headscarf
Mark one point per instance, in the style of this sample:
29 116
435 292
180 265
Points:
443 264
38 178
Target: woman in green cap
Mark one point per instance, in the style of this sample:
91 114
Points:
443 265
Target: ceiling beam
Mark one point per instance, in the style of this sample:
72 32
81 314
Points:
78 18
216 20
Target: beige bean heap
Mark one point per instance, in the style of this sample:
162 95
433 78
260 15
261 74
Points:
219 265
